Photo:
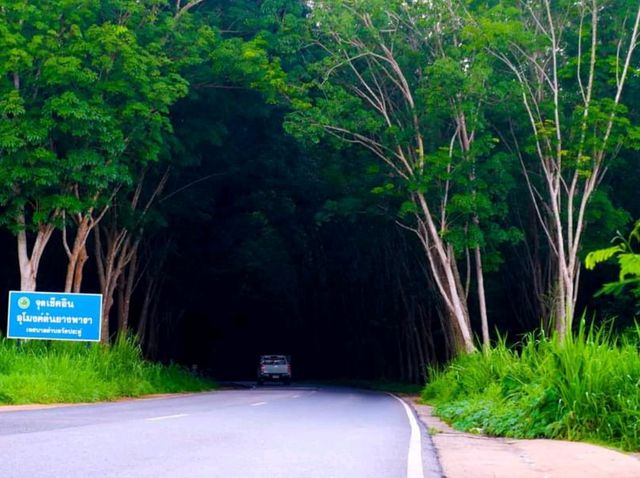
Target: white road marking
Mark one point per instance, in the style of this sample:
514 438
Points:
258 404
166 417
296 396
414 459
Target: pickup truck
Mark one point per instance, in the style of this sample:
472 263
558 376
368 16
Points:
274 368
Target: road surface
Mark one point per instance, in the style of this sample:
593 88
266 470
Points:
273 432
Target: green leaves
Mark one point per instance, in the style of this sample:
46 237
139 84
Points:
628 258
596 257
12 104
387 188
629 266
401 80
88 100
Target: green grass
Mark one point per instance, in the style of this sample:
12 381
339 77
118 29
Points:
56 372
587 388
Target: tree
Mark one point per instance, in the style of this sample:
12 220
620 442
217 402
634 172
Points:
218 66
572 62
459 86
394 79
85 98
116 247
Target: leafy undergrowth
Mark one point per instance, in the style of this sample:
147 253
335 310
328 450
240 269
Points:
46 372
587 388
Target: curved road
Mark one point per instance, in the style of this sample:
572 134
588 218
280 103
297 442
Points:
293 432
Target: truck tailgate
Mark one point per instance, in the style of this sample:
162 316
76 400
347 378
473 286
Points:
275 369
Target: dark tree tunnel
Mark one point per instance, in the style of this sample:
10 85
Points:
262 246
262 243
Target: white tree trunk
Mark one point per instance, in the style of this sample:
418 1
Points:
442 263
29 262
484 321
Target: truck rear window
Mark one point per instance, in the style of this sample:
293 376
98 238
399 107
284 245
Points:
273 361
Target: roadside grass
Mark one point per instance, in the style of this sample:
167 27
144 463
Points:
57 372
586 389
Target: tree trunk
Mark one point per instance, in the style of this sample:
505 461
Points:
408 344
77 256
28 269
82 259
144 312
466 141
441 259
126 286
112 266
401 371
119 294
428 334
108 262
420 356
154 326
486 342
29 263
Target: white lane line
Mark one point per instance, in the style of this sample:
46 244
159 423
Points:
296 396
414 459
166 417
258 404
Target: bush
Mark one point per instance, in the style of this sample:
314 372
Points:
587 388
53 372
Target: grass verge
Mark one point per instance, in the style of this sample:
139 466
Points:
56 372
587 389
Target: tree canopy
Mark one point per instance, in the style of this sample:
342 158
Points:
409 177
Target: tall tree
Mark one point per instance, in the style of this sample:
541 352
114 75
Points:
459 86
572 61
85 95
394 79
219 65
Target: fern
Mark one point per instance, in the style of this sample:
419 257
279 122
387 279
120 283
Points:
617 288
635 233
602 255
628 261
629 265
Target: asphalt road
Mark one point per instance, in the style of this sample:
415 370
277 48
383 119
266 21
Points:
271 432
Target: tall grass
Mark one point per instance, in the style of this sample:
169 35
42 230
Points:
53 372
587 388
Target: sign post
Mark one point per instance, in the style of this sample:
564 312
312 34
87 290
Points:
54 316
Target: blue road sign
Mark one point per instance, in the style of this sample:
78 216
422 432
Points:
54 316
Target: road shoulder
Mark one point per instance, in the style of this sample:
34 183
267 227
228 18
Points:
462 455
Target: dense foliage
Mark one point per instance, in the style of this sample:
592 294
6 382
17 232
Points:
370 185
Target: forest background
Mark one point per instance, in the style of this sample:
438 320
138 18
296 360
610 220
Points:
382 184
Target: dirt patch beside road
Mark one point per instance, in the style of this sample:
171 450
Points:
464 455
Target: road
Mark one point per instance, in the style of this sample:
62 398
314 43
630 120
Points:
271 432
